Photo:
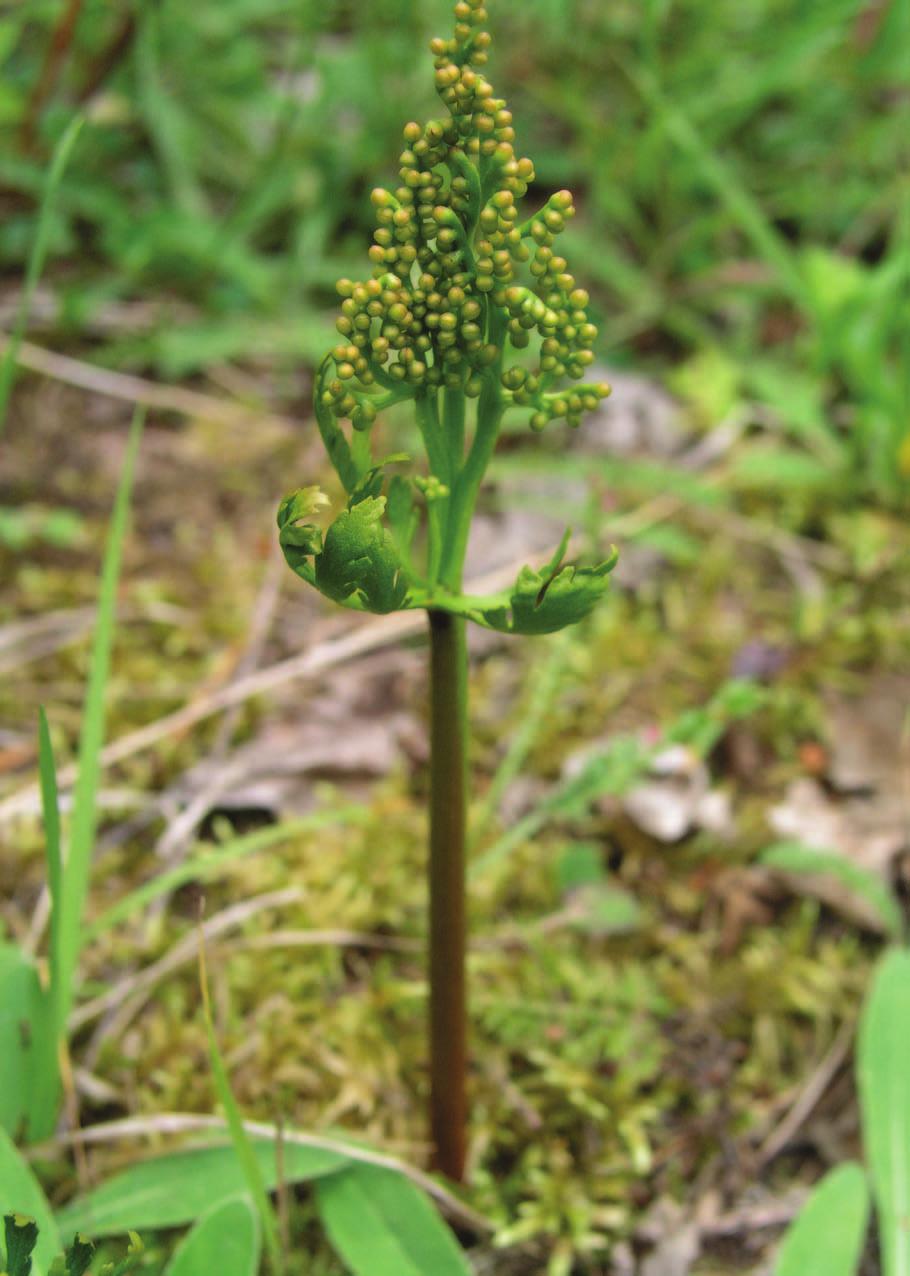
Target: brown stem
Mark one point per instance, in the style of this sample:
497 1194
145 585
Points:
108 59
448 797
54 58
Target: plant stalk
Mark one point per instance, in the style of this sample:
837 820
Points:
448 803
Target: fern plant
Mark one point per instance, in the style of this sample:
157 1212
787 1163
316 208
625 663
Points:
469 313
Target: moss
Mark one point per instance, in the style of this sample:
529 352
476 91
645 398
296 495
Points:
606 1070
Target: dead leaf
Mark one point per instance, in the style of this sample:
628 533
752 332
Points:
677 1241
678 798
868 834
870 740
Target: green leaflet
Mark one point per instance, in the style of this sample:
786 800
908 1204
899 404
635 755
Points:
357 563
359 557
300 540
553 598
542 606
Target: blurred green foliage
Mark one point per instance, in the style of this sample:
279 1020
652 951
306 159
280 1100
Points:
741 166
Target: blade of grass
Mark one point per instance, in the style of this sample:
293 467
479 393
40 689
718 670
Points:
525 737
50 808
36 259
727 186
246 1157
46 1100
77 866
164 118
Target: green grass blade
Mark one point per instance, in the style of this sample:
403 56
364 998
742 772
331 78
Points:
525 738
883 1066
48 1028
36 260
828 1236
252 1171
82 828
729 189
50 807
164 117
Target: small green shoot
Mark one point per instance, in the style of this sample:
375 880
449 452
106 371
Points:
9 357
69 935
243 1146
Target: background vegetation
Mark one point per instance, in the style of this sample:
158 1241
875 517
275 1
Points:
653 1001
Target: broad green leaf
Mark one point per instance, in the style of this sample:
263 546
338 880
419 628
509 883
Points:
224 1241
170 1191
883 1065
542 606
20 1193
795 857
828 1236
27 1058
380 1224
